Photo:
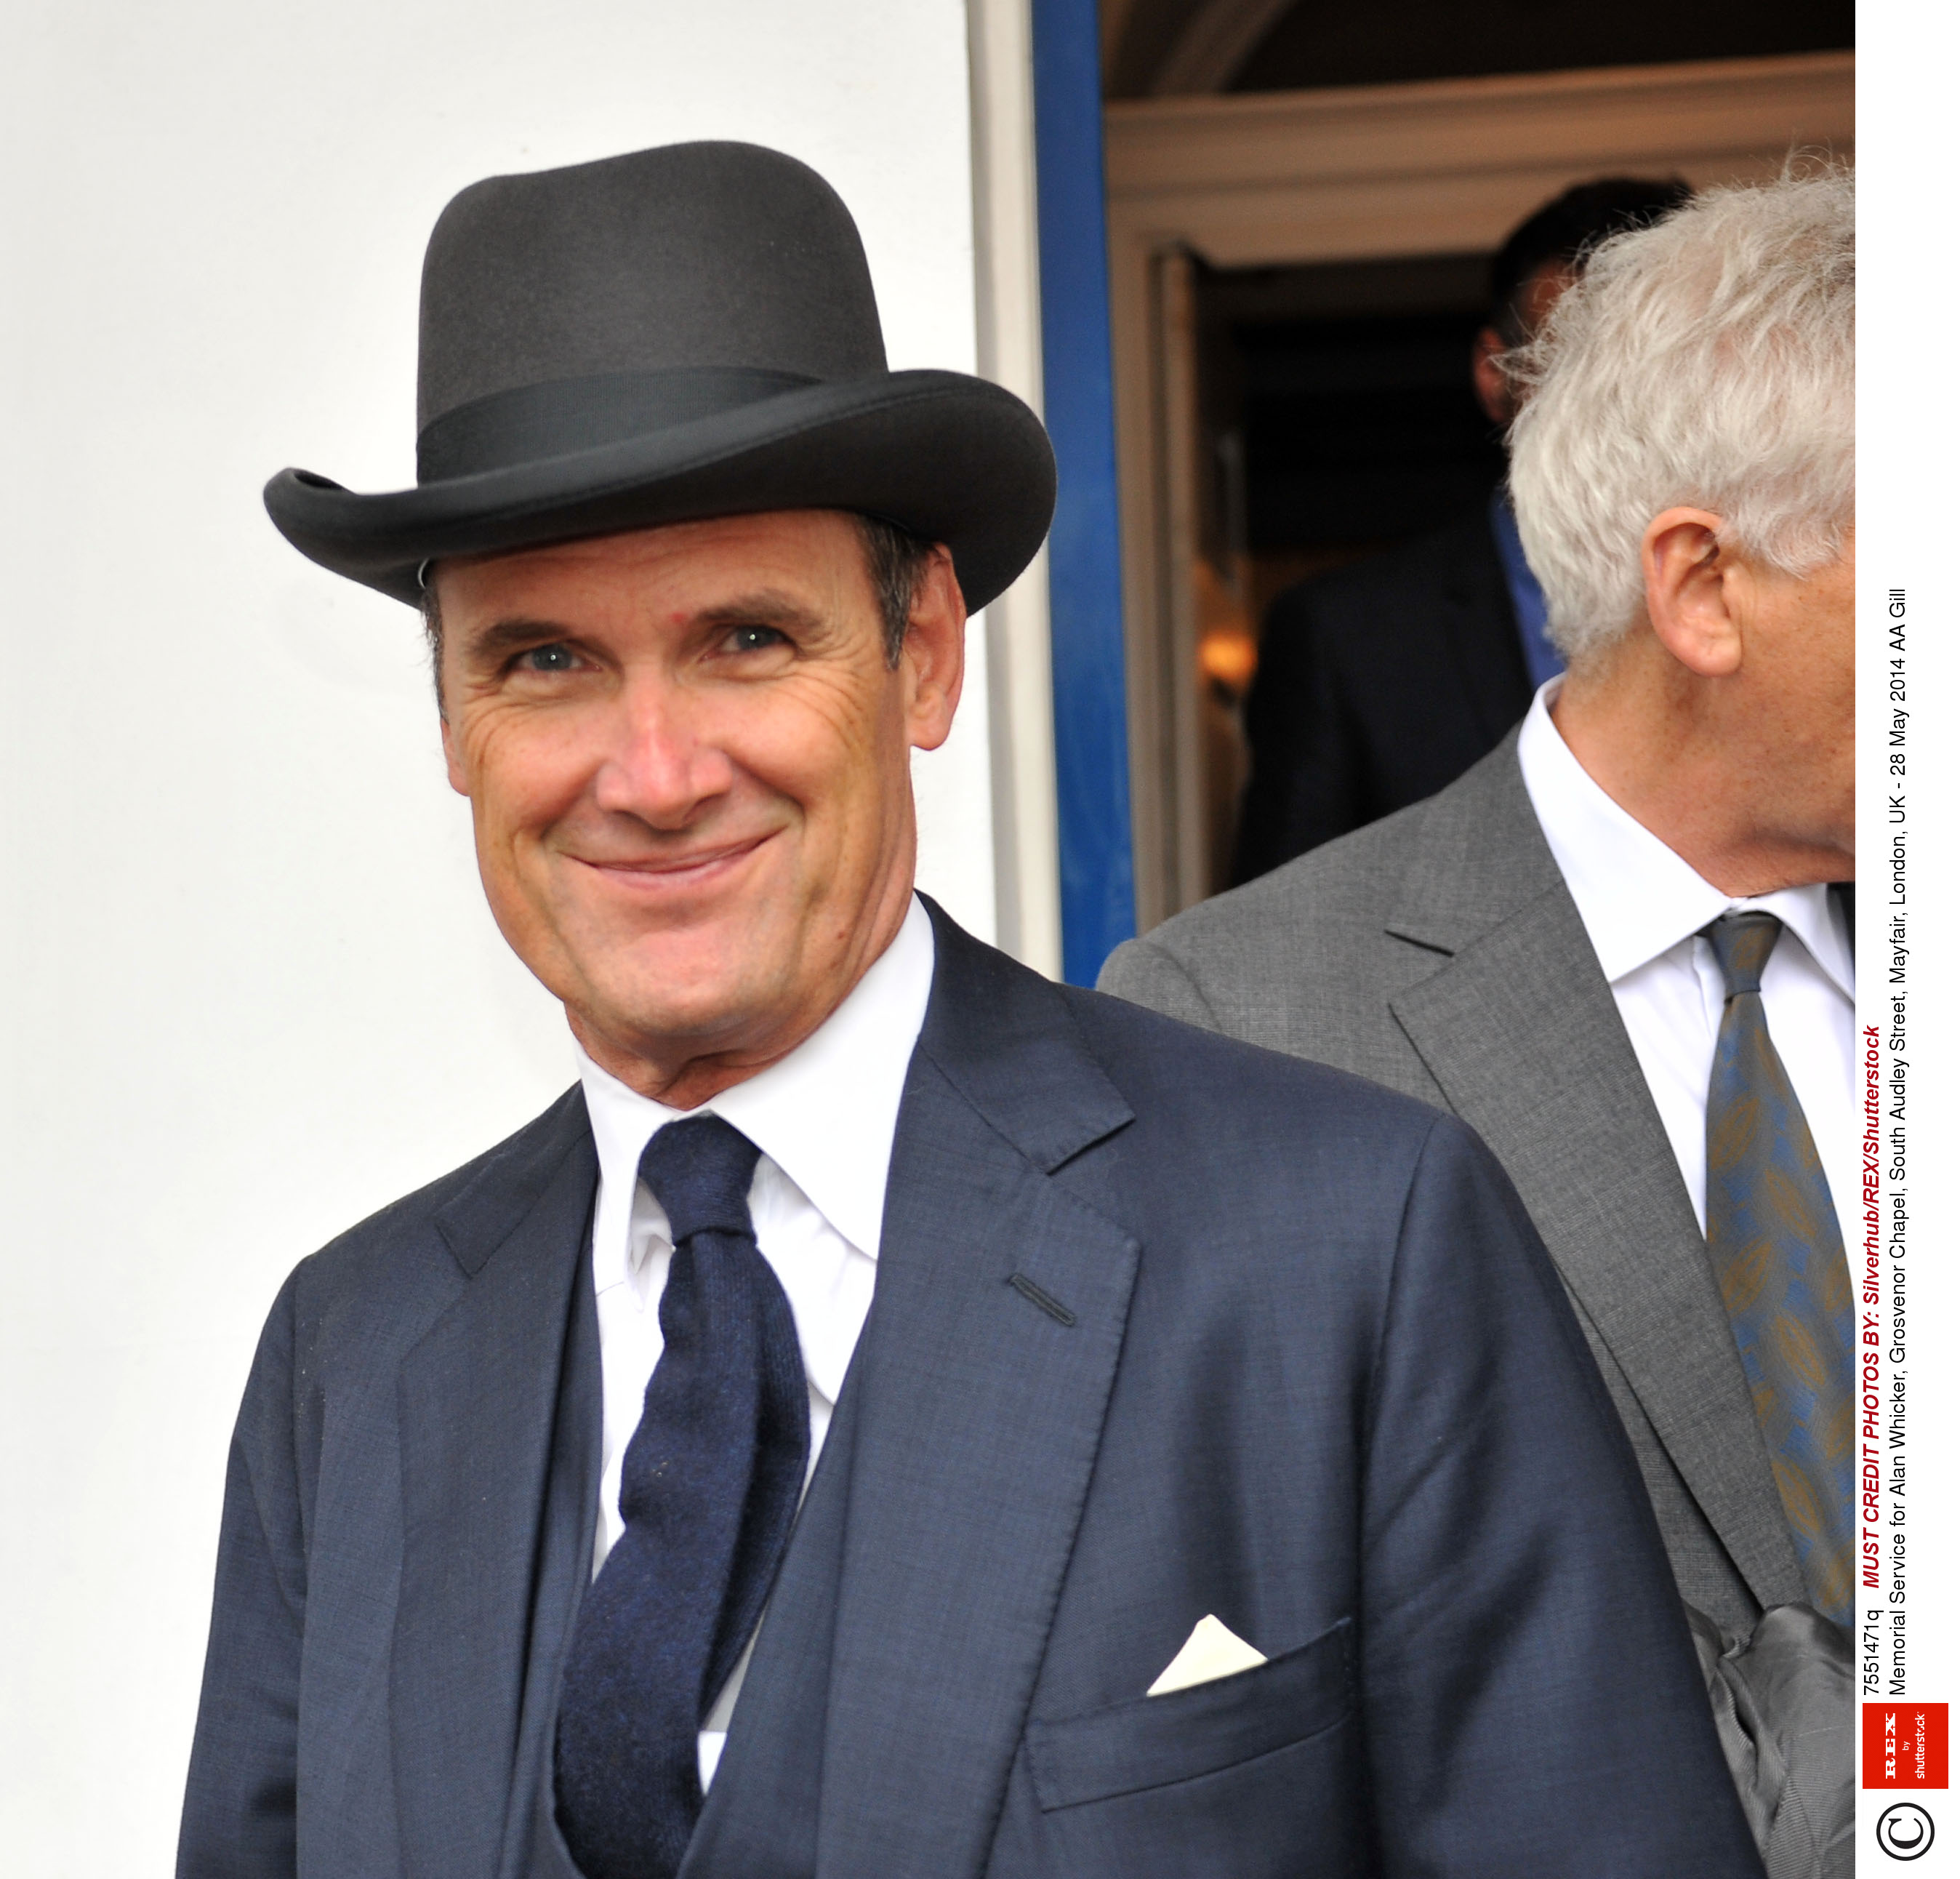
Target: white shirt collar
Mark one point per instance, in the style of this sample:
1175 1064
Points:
1636 896
824 1115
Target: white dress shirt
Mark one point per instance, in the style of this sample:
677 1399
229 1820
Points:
824 1118
1643 906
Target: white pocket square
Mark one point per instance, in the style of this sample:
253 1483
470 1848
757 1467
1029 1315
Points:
1211 1651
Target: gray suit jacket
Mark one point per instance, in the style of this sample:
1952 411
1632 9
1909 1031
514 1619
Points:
1164 1326
1439 952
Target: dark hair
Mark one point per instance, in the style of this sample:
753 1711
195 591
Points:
431 610
894 557
1569 228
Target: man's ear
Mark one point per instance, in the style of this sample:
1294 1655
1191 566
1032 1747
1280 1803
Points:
932 662
1691 593
458 781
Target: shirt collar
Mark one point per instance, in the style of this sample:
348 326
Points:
1635 896
826 1114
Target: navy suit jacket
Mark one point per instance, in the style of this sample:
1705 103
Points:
1164 1326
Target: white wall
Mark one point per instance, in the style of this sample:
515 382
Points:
250 991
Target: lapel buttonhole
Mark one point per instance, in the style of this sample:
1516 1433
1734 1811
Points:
1035 1296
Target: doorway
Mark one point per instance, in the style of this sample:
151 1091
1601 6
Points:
1335 419
1294 281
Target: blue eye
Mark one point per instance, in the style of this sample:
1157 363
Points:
548 659
754 639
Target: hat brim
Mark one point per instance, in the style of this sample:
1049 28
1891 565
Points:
951 458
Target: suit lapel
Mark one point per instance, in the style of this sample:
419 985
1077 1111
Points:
979 1416
499 1418
1520 1028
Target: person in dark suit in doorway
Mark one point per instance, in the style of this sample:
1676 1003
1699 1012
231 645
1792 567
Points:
894 1417
1380 683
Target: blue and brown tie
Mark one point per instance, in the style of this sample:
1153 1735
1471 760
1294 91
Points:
1779 1257
709 1491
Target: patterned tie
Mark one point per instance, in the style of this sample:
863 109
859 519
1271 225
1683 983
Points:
1773 1238
708 1490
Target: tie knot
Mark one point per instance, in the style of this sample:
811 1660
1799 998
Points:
699 1170
1743 943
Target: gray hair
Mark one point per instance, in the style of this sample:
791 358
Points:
1706 363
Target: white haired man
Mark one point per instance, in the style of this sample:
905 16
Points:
1620 946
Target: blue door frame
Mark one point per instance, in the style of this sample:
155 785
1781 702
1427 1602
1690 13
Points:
1098 906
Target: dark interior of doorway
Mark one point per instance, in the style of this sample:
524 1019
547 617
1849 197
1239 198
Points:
1336 419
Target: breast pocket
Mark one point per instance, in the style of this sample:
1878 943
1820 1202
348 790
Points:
1155 1742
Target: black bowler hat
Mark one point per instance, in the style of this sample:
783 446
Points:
683 333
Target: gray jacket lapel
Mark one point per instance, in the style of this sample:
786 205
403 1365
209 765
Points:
1519 1026
499 1416
979 1416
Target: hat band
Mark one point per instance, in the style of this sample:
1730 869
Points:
529 422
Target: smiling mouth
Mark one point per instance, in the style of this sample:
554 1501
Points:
668 870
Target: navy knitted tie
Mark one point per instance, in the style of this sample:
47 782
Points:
708 1490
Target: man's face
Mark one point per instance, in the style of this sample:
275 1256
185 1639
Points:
1535 299
689 766
1798 664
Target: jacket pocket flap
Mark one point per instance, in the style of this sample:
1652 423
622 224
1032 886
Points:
1153 1740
